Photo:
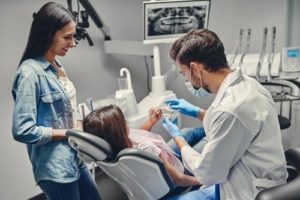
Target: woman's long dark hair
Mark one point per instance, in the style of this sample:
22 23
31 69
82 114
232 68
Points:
49 19
109 124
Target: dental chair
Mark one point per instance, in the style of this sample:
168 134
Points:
290 190
140 174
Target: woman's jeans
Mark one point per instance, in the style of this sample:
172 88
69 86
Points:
84 188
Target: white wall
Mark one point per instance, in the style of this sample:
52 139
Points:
124 17
294 23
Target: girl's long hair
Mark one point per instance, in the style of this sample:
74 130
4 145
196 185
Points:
109 124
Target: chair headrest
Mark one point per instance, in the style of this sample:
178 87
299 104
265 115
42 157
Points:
90 145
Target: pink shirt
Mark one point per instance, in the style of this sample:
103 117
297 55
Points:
156 145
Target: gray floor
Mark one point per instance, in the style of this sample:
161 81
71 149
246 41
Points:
109 190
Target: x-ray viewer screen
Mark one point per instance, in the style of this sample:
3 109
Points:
164 21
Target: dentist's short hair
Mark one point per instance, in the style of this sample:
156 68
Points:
202 46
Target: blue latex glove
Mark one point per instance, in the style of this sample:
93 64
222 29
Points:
184 107
171 128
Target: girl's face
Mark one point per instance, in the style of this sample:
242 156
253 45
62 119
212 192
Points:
63 40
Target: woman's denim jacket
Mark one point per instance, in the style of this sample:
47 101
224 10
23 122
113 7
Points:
42 104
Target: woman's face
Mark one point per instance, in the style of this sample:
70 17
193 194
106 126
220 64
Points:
63 40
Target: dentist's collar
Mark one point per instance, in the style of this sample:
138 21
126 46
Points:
232 78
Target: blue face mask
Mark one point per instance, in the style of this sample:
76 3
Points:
199 92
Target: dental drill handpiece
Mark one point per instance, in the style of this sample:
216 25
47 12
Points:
82 111
90 100
271 55
262 53
237 48
246 49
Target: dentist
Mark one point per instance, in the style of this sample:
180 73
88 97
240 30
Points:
243 154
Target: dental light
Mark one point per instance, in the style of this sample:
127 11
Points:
82 24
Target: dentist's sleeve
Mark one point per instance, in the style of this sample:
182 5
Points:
228 140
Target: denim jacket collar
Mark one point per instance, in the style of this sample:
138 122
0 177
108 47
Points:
44 63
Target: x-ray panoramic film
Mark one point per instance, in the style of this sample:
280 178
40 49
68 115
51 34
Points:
171 19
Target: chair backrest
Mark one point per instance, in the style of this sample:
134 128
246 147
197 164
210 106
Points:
140 174
290 190
89 147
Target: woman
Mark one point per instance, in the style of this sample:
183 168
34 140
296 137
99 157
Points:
109 123
45 106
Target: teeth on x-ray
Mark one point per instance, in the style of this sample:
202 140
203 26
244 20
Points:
175 20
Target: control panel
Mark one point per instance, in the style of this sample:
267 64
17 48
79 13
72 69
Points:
290 59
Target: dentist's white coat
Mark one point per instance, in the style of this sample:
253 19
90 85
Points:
244 151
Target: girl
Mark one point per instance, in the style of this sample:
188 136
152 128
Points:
109 124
